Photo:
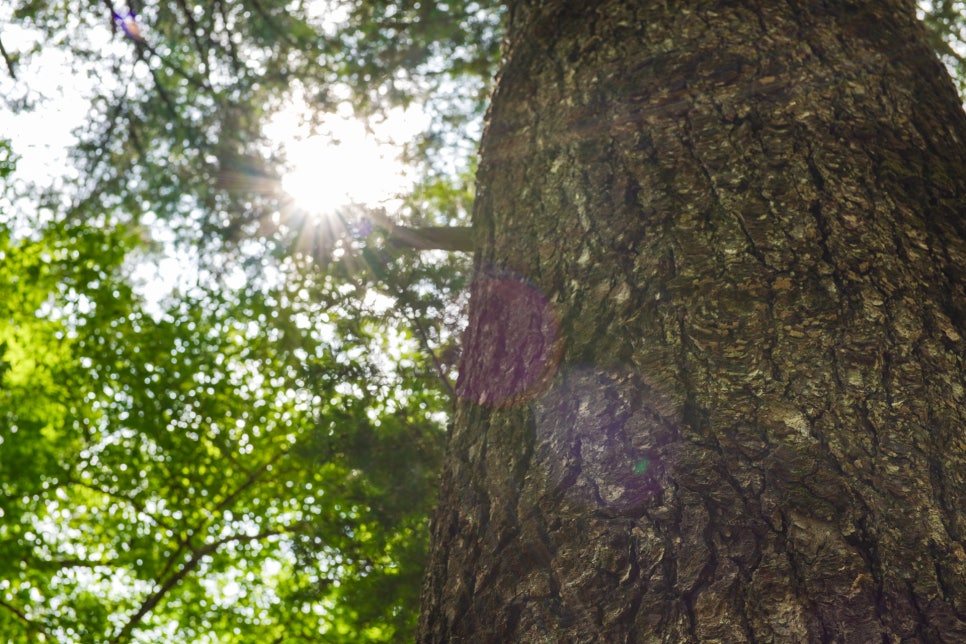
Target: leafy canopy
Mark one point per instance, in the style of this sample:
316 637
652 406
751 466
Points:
252 455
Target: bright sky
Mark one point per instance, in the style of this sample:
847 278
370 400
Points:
342 162
40 137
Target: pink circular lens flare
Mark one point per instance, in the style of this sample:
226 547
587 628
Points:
513 344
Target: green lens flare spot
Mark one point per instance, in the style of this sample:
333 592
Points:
642 466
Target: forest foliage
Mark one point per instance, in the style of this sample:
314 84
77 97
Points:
252 455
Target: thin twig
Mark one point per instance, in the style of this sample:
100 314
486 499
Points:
117 496
195 30
163 92
420 329
7 60
199 84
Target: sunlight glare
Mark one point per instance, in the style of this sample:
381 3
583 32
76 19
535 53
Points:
344 164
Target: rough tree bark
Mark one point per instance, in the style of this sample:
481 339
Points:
713 381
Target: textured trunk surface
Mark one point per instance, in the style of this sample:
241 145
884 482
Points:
713 383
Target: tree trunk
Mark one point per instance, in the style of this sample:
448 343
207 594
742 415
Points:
713 381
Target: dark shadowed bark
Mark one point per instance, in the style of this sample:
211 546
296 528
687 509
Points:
713 383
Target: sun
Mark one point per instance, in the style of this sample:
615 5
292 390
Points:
345 164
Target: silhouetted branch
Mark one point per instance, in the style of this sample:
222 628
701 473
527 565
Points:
197 556
451 238
7 60
30 624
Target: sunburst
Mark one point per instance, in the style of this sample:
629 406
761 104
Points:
345 164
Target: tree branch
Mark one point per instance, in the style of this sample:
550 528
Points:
7 60
450 238
117 496
22 616
196 556
252 478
